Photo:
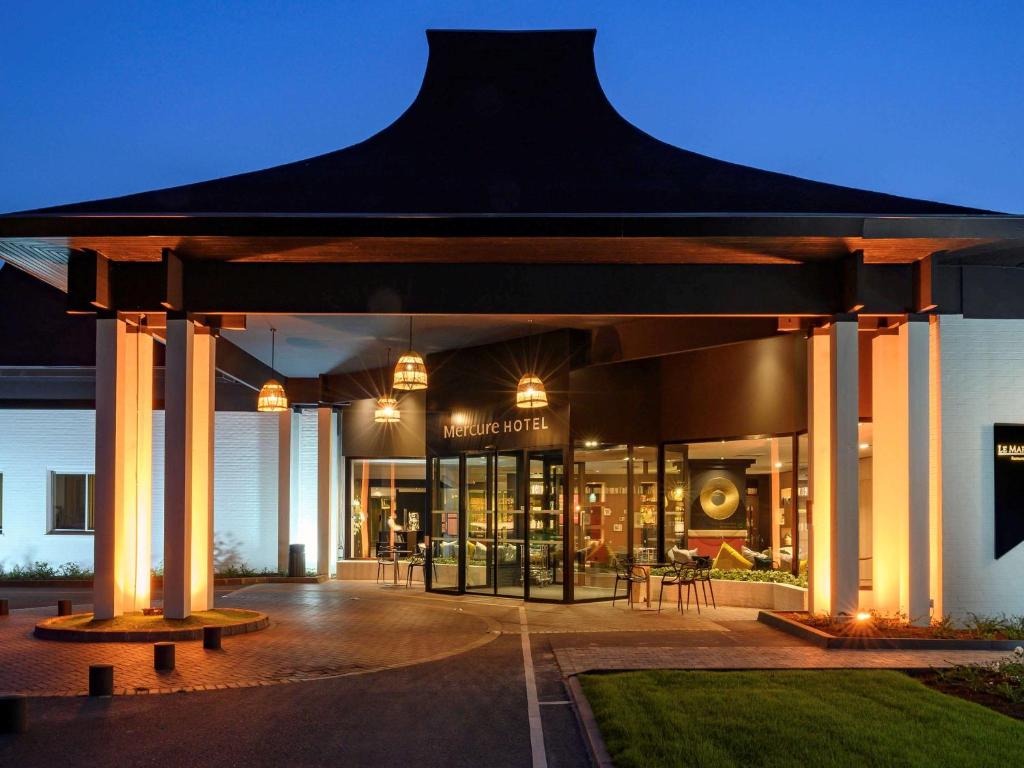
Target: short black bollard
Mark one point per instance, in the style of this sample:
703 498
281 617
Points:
163 656
5 606
13 713
211 638
101 679
63 607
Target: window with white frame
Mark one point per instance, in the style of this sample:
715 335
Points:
71 502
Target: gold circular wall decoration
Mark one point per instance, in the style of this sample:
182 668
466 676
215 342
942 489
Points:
719 498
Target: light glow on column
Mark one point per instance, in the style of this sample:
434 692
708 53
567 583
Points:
935 462
889 490
820 474
204 346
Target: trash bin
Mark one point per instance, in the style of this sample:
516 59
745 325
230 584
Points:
296 559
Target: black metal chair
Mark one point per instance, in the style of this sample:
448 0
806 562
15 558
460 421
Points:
625 571
680 574
416 560
702 565
385 559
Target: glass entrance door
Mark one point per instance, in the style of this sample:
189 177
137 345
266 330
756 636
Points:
480 523
510 541
546 525
495 557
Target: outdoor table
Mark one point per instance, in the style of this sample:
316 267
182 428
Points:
646 585
395 554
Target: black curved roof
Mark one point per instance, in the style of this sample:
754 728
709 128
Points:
511 123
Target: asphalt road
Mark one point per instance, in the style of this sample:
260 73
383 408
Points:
466 711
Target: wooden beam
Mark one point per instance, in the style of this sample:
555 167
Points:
91 272
174 278
217 288
853 282
924 277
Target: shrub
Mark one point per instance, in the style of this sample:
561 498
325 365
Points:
42 570
242 571
772 577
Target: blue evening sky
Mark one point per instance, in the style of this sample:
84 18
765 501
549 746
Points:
917 98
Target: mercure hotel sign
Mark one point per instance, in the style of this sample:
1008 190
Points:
458 427
469 429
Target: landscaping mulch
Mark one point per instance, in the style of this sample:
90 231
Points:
993 701
884 627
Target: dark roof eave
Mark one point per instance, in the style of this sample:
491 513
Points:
49 225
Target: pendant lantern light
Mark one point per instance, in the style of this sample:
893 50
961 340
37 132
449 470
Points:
410 372
387 411
530 392
272 397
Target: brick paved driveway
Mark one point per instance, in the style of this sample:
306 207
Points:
316 631
344 628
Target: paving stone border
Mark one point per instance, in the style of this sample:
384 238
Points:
598 751
45 631
825 640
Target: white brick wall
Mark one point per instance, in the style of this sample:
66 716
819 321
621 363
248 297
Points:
304 517
34 443
982 371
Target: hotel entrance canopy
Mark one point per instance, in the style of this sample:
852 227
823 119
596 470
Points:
511 185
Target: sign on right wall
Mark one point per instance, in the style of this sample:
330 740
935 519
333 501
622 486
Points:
1008 440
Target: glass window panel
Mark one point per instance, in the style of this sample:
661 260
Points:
675 498
743 496
645 504
444 524
71 498
601 535
865 438
802 480
386 505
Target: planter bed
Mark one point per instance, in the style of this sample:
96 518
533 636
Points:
75 628
782 621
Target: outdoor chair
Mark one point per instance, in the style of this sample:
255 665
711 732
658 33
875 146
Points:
703 570
385 560
680 575
416 560
625 571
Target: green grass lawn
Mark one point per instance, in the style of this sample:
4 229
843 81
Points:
802 718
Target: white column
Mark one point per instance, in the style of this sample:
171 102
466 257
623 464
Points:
203 429
901 456
139 480
327 491
845 468
917 339
284 487
124 402
188 473
935 464
819 490
890 495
